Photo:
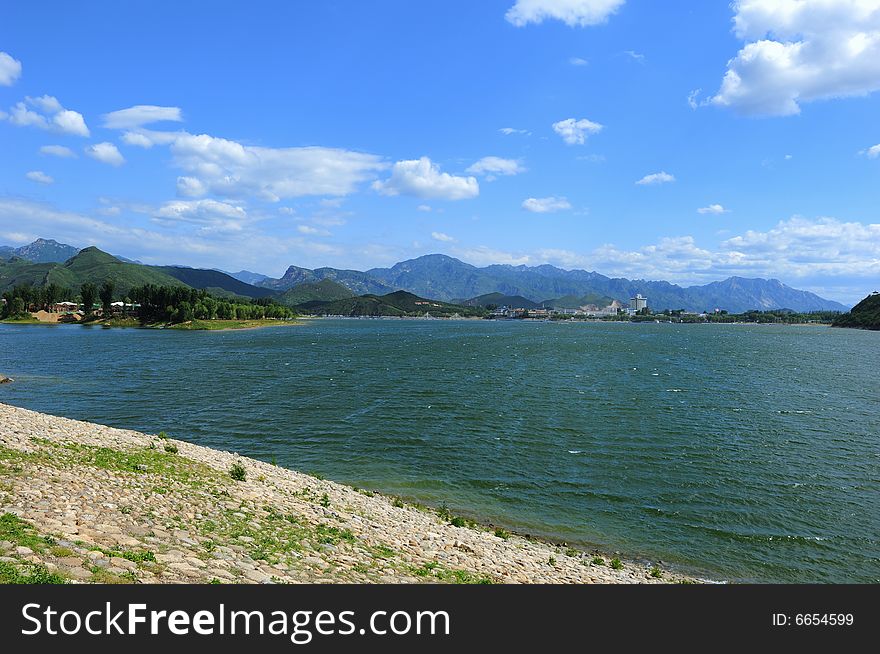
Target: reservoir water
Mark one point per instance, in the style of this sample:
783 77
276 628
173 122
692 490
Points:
739 452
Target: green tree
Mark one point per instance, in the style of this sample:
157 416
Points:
106 295
88 292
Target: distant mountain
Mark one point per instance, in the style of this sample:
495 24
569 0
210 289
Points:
358 282
399 303
214 280
324 291
248 277
445 278
865 315
40 251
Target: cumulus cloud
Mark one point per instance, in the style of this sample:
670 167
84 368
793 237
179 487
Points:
10 69
575 132
799 51
873 152
443 238
546 205
40 177
656 178
58 151
139 115
145 138
230 169
105 153
51 116
715 209
574 13
828 256
492 167
190 187
422 178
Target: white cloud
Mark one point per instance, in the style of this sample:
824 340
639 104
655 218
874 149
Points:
694 98
46 103
546 205
656 178
230 169
211 214
507 131
145 138
715 209
70 122
21 116
423 207
311 231
492 167
58 151
40 177
287 211
54 116
575 132
635 56
483 255
574 13
10 69
423 179
873 152
105 153
443 238
190 187
799 51
139 115
577 61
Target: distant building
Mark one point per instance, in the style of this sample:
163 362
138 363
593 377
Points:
638 302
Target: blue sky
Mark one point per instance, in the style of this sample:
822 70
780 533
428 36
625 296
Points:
682 140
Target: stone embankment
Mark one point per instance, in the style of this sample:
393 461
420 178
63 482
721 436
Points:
81 502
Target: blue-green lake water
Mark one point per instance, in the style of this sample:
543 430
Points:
746 453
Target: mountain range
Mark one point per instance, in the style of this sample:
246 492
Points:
434 276
447 279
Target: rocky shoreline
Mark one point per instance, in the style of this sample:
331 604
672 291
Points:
86 503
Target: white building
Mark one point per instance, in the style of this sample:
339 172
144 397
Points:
638 302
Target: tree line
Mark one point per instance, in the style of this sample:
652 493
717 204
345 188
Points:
24 298
176 304
168 304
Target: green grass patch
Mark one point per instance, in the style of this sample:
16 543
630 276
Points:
656 572
616 564
28 574
433 570
21 533
333 535
382 552
237 472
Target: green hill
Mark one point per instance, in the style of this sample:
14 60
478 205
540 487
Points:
399 303
865 315
324 291
89 265
215 281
